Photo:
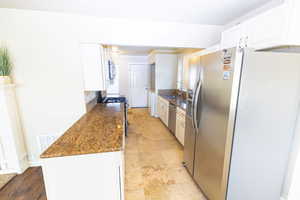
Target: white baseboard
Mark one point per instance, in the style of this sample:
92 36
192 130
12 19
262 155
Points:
7 171
35 163
283 198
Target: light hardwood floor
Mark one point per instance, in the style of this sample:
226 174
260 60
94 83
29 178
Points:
154 158
5 178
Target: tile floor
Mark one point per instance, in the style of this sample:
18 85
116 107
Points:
153 162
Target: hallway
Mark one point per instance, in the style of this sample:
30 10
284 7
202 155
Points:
153 157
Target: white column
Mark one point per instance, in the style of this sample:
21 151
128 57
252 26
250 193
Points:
12 148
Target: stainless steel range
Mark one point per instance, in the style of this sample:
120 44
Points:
116 99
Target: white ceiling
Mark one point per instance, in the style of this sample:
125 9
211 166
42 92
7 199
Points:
217 12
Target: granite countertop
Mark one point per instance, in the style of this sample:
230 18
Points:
175 99
99 130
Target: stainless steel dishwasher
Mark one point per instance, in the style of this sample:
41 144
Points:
172 118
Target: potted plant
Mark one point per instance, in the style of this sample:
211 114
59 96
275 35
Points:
5 66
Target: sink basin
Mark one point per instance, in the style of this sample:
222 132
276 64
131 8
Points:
183 105
171 96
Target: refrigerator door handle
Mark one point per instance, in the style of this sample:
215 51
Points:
195 108
193 105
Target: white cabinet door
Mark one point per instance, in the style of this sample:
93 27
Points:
149 104
163 110
159 112
93 67
231 37
152 103
267 29
264 30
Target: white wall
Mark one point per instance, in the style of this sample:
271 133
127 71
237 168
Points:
147 33
47 65
47 72
124 76
294 192
271 4
292 182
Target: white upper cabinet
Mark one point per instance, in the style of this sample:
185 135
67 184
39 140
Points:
93 61
267 29
231 37
275 27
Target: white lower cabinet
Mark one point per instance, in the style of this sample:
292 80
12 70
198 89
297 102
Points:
90 176
180 125
163 110
152 103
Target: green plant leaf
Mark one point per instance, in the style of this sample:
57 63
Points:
5 63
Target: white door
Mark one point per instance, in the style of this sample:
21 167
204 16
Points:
139 83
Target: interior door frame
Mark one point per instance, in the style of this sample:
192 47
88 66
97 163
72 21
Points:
130 79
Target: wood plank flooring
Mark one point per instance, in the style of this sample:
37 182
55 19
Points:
27 186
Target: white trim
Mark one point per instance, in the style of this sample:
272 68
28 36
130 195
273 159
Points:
283 198
212 49
163 51
7 85
8 171
257 11
35 163
24 165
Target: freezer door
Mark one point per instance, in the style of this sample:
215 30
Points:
212 117
265 123
189 144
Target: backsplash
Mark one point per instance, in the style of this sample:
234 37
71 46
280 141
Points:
90 99
89 96
173 92
44 141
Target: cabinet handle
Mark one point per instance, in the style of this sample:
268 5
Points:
120 183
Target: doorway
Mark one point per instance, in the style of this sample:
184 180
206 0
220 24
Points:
139 84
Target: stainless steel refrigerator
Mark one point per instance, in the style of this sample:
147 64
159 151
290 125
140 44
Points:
240 123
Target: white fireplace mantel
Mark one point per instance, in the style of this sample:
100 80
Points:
13 153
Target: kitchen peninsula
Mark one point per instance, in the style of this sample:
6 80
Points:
87 162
